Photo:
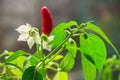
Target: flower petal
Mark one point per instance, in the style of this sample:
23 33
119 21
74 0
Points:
47 47
28 26
23 37
30 42
50 38
37 38
24 28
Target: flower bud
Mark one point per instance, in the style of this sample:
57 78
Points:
47 22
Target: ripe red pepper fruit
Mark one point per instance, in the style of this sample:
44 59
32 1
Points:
47 22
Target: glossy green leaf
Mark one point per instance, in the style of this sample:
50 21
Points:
94 49
17 66
31 74
88 68
15 55
67 63
71 46
35 58
96 29
63 26
71 23
60 33
58 38
61 76
58 27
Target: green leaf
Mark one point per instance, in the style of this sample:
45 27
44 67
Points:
58 27
58 38
26 62
88 68
43 72
67 63
17 66
15 55
35 58
7 74
71 46
96 29
60 33
58 57
61 76
15 69
94 49
71 23
63 26
31 74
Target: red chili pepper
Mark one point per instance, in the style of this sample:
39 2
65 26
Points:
47 22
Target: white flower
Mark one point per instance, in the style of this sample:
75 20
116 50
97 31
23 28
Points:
46 45
29 34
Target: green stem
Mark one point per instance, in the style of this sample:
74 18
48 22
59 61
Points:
55 55
118 54
49 67
32 56
58 47
55 64
70 35
40 51
4 70
52 52
15 66
77 34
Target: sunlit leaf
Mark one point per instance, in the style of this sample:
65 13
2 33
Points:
88 68
35 58
58 27
58 38
58 57
63 26
94 49
71 47
18 62
67 63
61 76
26 62
60 33
71 23
96 29
14 56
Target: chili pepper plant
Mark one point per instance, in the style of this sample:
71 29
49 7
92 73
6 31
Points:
61 47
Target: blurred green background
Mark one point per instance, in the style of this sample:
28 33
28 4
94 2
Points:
13 13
